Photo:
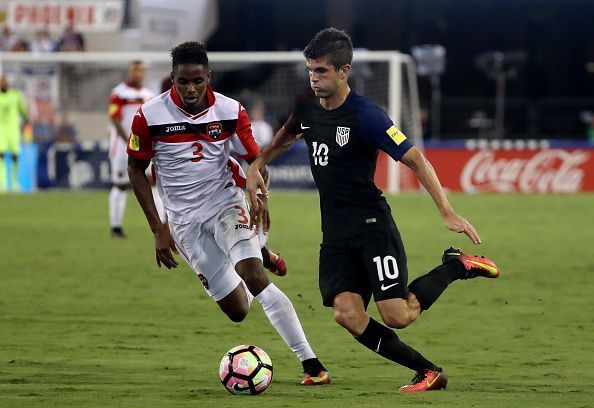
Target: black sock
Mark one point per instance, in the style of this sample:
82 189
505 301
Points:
429 287
386 343
313 366
266 258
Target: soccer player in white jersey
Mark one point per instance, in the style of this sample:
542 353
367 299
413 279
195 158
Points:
124 101
186 132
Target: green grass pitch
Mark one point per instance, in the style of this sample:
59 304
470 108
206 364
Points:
88 321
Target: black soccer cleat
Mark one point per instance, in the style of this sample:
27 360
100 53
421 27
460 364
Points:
117 232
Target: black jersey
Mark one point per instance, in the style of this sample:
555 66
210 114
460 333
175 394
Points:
343 146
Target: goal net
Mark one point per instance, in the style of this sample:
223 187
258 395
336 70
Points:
77 85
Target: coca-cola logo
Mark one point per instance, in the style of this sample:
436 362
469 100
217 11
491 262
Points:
548 171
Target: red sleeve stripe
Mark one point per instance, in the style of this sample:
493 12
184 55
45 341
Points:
140 138
115 107
244 133
235 173
140 155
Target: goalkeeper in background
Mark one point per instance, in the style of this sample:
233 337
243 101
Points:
12 110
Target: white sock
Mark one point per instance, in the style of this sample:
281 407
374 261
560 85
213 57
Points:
250 297
263 237
117 206
159 205
279 310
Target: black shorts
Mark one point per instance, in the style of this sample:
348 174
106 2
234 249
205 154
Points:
373 262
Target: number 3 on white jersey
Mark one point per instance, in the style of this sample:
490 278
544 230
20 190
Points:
320 154
197 152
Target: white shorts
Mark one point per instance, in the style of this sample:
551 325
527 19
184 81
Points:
213 248
118 158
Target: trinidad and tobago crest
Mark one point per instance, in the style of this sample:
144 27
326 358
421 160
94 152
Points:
214 130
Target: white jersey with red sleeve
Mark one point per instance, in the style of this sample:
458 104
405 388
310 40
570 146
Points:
124 101
191 152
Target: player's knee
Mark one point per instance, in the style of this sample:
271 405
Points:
256 282
237 315
350 319
252 273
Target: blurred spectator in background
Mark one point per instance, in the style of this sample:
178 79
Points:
13 115
7 39
166 84
425 118
21 45
261 129
43 42
587 117
65 131
590 130
71 40
43 132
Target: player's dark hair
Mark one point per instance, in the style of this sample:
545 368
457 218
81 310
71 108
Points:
190 52
333 44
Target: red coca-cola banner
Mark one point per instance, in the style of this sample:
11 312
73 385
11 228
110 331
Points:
507 171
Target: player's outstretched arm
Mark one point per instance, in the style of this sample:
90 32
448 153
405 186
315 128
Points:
117 123
281 141
414 159
164 244
262 218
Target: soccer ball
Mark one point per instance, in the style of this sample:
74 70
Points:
246 369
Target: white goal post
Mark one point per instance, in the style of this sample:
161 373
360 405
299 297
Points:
78 84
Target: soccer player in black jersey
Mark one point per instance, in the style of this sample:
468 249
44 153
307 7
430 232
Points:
362 252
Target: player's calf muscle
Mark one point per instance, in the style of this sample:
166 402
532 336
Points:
399 313
235 305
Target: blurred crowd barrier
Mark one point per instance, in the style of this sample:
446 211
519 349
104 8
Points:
86 165
470 166
521 166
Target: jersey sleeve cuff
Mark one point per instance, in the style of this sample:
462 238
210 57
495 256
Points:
248 156
140 155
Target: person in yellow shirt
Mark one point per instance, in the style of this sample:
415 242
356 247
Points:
12 110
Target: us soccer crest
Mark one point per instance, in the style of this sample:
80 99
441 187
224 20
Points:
214 130
342 135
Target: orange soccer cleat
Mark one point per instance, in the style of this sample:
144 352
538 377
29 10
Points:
475 265
427 380
322 378
277 264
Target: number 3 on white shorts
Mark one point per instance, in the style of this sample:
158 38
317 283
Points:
241 215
